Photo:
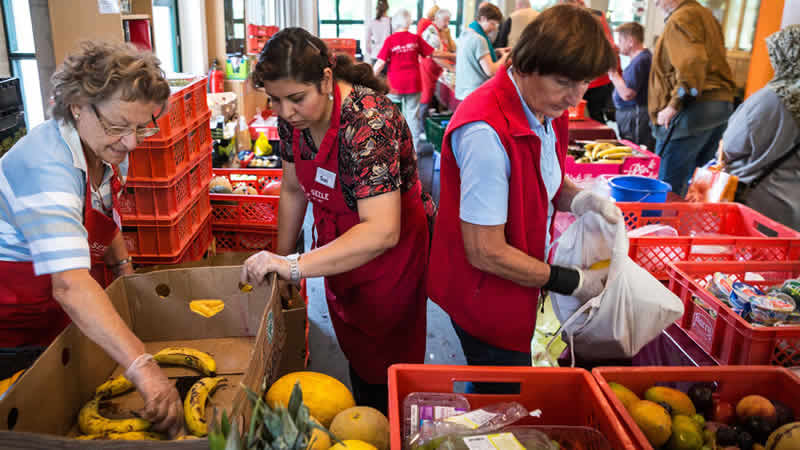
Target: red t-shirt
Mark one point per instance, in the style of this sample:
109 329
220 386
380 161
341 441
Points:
401 51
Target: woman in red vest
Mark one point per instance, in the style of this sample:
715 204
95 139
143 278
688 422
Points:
430 70
59 224
502 179
347 149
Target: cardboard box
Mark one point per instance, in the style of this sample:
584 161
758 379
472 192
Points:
295 351
246 339
250 98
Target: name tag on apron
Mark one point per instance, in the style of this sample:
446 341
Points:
325 177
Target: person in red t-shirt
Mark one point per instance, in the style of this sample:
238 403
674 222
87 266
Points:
401 51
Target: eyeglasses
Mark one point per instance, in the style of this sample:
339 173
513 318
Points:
118 131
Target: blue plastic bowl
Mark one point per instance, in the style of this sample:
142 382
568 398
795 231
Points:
635 188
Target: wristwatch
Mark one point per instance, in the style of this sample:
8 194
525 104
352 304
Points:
294 269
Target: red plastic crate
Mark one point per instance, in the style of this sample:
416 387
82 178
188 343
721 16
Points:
744 235
159 160
341 45
194 100
567 397
251 211
147 240
577 112
172 121
646 165
198 137
164 201
235 239
721 333
194 250
734 382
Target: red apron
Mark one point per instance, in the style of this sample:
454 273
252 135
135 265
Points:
379 309
29 315
429 73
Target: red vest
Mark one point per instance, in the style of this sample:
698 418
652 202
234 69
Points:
492 309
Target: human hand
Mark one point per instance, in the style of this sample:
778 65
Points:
125 269
721 155
591 285
665 116
585 201
162 404
256 267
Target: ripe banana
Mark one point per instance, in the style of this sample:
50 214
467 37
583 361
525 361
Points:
614 151
129 436
189 357
91 422
194 406
113 387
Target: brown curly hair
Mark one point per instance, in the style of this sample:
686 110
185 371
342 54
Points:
99 70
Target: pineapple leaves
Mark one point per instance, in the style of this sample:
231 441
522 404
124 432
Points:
234 441
295 400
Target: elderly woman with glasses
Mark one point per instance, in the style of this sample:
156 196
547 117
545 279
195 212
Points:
59 224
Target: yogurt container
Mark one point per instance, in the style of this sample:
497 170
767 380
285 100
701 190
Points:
769 309
721 285
742 295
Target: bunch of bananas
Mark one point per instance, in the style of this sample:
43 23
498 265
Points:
96 426
604 153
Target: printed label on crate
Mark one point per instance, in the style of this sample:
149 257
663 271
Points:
472 420
499 441
702 328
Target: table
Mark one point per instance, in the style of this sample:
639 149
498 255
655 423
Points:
587 130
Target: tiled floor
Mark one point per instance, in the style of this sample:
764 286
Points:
443 346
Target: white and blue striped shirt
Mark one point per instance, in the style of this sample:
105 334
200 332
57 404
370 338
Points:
42 192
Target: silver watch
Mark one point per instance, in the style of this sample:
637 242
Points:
294 269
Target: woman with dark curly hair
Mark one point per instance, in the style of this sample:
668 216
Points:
347 149
59 223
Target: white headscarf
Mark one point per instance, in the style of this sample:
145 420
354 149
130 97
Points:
784 54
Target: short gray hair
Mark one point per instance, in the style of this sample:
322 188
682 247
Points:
401 19
441 13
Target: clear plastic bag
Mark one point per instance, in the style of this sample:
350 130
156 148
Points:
421 410
480 421
513 438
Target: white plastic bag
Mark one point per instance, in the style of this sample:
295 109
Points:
633 308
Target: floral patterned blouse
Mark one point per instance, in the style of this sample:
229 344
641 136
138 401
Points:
376 153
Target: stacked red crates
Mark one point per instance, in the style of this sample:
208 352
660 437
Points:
246 223
165 205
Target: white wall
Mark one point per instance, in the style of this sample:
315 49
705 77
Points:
194 41
653 24
791 12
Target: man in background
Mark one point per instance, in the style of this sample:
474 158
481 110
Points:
512 28
630 88
690 93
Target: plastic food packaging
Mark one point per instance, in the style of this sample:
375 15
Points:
480 421
422 410
792 288
768 309
741 297
514 438
721 285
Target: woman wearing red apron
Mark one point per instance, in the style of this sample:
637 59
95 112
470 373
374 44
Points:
59 225
432 32
347 150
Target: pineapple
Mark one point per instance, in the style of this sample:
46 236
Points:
279 428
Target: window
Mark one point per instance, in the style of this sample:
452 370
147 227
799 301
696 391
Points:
165 26
22 56
338 19
738 19
234 26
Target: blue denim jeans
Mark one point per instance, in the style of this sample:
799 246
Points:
479 353
679 157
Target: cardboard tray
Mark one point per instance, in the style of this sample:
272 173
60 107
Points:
246 339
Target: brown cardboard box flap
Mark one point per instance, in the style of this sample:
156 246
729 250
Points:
47 398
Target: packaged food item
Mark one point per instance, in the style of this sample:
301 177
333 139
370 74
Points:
422 410
721 285
768 309
792 287
514 438
485 420
741 297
